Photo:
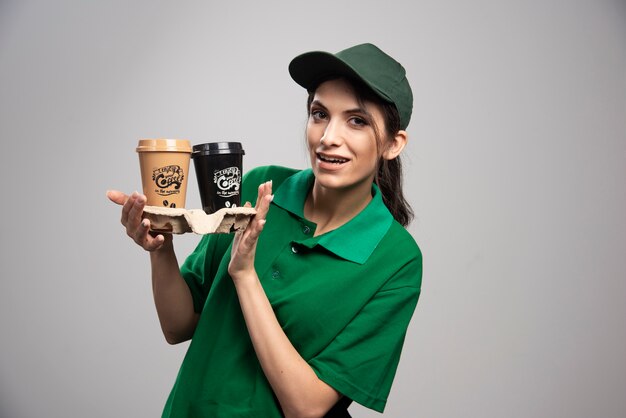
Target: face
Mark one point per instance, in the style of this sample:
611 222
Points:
341 138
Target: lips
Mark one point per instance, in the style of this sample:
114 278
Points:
331 159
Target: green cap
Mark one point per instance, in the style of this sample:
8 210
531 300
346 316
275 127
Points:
365 62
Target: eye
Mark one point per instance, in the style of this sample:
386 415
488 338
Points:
318 114
358 121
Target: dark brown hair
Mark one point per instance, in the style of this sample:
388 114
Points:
388 177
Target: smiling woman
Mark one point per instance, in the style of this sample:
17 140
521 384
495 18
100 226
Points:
388 134
345 145
306 310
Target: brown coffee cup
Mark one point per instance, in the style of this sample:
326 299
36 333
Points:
164 167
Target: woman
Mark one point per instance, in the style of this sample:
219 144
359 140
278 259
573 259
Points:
306 310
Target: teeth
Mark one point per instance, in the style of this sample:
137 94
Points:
332 160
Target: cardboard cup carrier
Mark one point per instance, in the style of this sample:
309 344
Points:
164 167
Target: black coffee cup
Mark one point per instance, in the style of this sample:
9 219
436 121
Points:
218 170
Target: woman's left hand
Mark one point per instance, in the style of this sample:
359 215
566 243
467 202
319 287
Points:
298 389
244 244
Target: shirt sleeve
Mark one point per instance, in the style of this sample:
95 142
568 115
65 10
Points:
362 359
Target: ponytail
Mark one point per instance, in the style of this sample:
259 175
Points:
389 181
389 175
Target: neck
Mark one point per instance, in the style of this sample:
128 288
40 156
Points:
331 208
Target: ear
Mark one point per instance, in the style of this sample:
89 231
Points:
396 146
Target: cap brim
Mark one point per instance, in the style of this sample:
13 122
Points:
311 68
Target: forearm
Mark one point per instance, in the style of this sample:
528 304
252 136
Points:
300 392
172 296
297 387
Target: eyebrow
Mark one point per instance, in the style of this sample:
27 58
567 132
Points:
354 110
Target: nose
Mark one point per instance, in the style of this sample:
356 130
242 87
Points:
333 134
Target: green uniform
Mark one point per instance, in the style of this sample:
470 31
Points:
344 300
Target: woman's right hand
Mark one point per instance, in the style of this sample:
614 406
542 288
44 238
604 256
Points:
136 227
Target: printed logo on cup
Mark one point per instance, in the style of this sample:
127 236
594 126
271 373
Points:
227 181
168 179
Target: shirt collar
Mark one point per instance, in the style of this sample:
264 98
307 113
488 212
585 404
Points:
357 239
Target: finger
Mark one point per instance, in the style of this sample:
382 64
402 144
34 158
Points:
117 197
268 186
127 206
261 212
260 194
147 241
264 206
264 190
135 212
155 243
256 230
247 245
251 234
142 236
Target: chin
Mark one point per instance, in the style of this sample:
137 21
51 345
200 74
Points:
340 182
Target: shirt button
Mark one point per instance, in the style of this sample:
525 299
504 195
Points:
294 249
275 274
306 229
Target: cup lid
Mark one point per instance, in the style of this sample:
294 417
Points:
164 144
214 148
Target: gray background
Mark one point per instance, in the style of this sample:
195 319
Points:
516 169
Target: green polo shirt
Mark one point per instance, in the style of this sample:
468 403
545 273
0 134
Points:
344 300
